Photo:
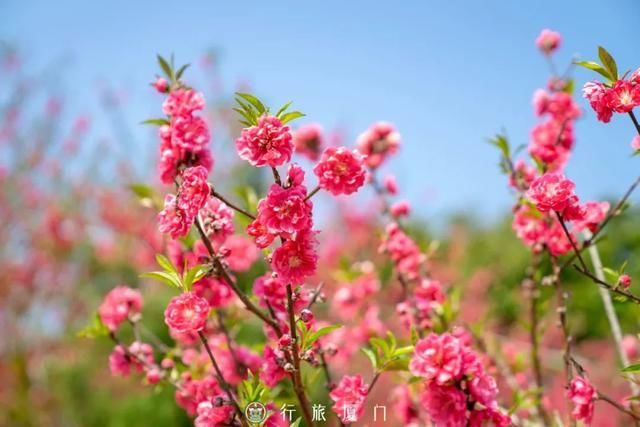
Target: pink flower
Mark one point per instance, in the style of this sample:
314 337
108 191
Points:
551 191
213 416
183 102
161 84
551 142
272 370
217 220
625 281
119 362
624 96
438 358
261 236
340 171
582 394
524 175
599 98
635 143
295 175
190 133
296 259
489 417
173 220
239 253
403 406
483 389
194 190
401 208
548 41
308 141
267 144
390 184
446 405
378 142
350 392
217 293
556 239
529 225
404 252
285 210
594 214
120 304
187 313
540 102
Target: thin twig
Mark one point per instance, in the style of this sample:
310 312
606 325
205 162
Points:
227 278
297 378
618 406
223 383
635 121
610 287
233 206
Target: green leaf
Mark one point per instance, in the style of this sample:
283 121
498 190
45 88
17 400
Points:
382 346
249 120
155 122
283 109
373 358
608 62
166 263
502 143
401 364
297 422
594 66
170 279
404 350
166 68
320 333
181 71
142 191
286 118
259 106
94 329
632 368
610 273
193 275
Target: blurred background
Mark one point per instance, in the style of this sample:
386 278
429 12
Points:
74 87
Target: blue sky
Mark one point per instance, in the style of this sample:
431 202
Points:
448 74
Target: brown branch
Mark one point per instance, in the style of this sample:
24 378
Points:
240 367
618 406
227 278
233 206
614 212
610 287
313 193
223 383
635 121
296 377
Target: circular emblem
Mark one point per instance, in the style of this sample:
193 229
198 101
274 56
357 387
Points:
255 412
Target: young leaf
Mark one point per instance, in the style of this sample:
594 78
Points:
373 358
155 122
166 68
502 143
181 71
283 109
165 263
595 67
632 368
170 279
403 350
94 329
296 423
193 275
259 106
286 118
608 62
142 191
320 333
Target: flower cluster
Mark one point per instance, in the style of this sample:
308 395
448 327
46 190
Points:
583 396
621 97
180 211
119 305
269 143
457 388
350 392
185 138
187 313
378 142
403 250
308 141
340 171
548 41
